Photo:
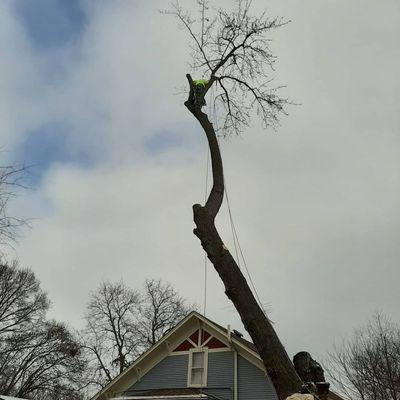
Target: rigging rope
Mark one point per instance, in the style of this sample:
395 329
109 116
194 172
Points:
205 254
205 197
237 245
238 248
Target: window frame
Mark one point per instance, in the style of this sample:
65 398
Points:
203 350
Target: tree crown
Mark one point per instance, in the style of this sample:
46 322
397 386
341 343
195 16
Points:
231 49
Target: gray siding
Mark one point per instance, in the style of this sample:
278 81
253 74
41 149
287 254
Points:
220 375
253 384
170 373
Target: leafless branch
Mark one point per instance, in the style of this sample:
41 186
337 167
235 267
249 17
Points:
367 366
38 358
10 180
232 49
121 323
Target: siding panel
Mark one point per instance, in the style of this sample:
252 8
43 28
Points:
252 383
170 373
220 375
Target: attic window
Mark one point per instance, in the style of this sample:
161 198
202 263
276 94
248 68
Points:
197 373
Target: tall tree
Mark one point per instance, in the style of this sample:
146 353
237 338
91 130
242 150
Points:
367 365
231 51
38 358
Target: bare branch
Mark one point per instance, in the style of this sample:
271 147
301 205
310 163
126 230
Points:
235 46
121 323
367 366
38 358
10 180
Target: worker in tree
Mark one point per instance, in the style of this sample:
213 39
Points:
199 86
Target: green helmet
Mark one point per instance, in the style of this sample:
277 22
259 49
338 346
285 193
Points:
200 82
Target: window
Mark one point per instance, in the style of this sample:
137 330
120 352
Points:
197 374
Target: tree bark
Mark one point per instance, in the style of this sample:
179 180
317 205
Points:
277 363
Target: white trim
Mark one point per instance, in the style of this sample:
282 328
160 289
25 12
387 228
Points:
199 335
203 350
182 353
3 397
235 375
137 370
179 353
211 336
221 350
191 342
168 346
178 396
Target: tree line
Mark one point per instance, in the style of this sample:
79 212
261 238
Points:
44 359
41 358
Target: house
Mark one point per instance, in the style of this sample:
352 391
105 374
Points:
197 359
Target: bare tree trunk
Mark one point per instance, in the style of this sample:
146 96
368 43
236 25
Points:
277 363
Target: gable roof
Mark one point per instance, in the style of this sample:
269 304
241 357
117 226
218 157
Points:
188 325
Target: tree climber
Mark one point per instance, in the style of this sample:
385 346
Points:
199 86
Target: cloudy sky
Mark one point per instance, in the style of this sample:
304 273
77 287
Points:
91 97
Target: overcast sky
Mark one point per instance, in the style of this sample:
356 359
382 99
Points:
90 97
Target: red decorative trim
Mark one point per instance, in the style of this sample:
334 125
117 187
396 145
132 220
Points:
195 337
204 336
214 343
207 340
184 346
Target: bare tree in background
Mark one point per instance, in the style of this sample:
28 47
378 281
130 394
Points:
121 323
111 337
367 366
10 177
22 302
230 50
42 362
39 359
162 309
